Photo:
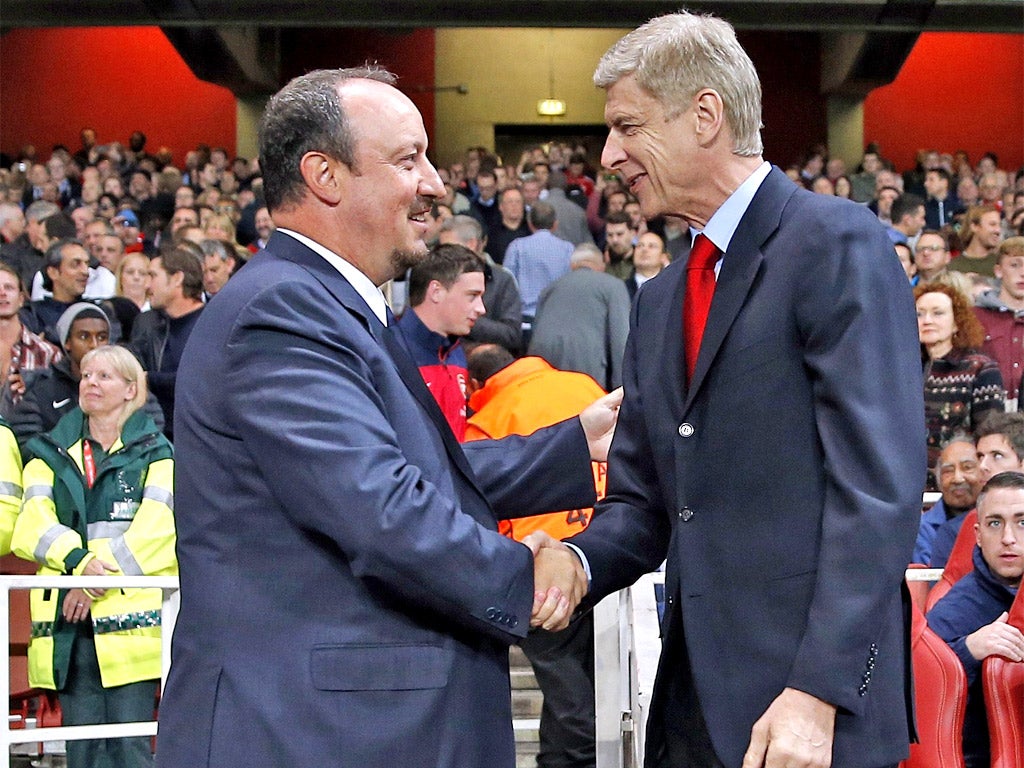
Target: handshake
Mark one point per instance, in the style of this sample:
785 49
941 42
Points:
559 581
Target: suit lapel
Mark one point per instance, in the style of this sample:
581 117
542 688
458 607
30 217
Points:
739 269
389 338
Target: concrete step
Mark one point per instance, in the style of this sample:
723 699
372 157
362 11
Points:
516 658
523 677
527 731
527 703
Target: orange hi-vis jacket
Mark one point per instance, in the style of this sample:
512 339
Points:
526 396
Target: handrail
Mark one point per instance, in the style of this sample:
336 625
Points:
169 614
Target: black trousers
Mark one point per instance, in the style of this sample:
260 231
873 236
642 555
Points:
564 665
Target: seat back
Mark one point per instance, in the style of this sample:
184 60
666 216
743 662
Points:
918 589
961 560
940 698
1003 681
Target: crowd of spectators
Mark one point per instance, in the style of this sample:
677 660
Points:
110 244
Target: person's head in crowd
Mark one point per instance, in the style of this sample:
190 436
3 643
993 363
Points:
884 200
887 178
616 201
982 229
176 279
999 531
465 231
56 168
81 216
208 176
945 320
937 183
541 172
35 216
12 222
512 206
219 263
542 216
66 269
990 187
835 168
184 197
54 228
93 231
12 298
183 217
1009 269
228 207
649 256
999 444
931 254
446 290
636 216
531 188
106 207
959 474
137 142
228 183
577 165
82 328
140 185
109 251
502 177
264 223
87 136
822 185
113 384
219 227
483 361
38 175
487 185
906 258
133 278
988 163
618 233
843 187
126 224
219 158
587 256
907 214
967 191
241 168
189 233
91 191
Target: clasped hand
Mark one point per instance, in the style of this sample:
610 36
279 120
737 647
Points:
559 581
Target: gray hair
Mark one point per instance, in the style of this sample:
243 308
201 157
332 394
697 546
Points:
307 116
586 253
465 227
672 57
41 210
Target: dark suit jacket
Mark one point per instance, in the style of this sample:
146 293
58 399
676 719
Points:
784 486
346 599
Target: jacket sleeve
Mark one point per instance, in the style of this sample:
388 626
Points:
147 547
27 417
39 535
10 487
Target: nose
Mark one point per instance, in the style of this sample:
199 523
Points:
430 183
478 307
612 154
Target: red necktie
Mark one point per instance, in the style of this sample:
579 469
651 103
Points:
700 287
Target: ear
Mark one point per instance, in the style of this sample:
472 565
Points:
710 112
130 391
435 291
324 176
977 533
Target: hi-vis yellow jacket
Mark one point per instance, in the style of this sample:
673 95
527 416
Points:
10 485
126 518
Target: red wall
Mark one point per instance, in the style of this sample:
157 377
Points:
116 80
956 91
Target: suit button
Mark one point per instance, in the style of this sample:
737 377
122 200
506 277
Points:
686 514
513 621
492 613
685 429
671 600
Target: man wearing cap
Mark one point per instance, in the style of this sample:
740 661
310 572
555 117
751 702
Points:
127 225
52 392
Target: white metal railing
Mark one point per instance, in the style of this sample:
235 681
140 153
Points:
9 737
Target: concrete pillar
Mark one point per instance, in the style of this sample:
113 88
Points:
248 110
845 118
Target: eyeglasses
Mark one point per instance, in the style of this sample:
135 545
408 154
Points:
929 249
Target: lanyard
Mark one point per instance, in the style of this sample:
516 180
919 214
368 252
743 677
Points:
89 462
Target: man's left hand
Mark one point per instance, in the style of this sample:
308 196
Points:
795 731
598 420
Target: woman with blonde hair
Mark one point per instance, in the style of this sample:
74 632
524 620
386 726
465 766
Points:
100 502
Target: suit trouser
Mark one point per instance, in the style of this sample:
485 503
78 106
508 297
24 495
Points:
564 665
84 701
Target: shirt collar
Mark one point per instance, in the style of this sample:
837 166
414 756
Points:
723 224
369 292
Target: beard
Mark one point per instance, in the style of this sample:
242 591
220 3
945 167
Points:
402 261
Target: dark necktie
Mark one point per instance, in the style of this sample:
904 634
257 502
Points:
700 287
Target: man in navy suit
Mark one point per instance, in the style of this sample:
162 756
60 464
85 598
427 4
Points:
346 599
781 475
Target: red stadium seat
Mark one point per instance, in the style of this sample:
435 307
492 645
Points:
960 561
940 697
1003 681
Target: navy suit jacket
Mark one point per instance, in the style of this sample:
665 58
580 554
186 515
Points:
784 485
345 597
